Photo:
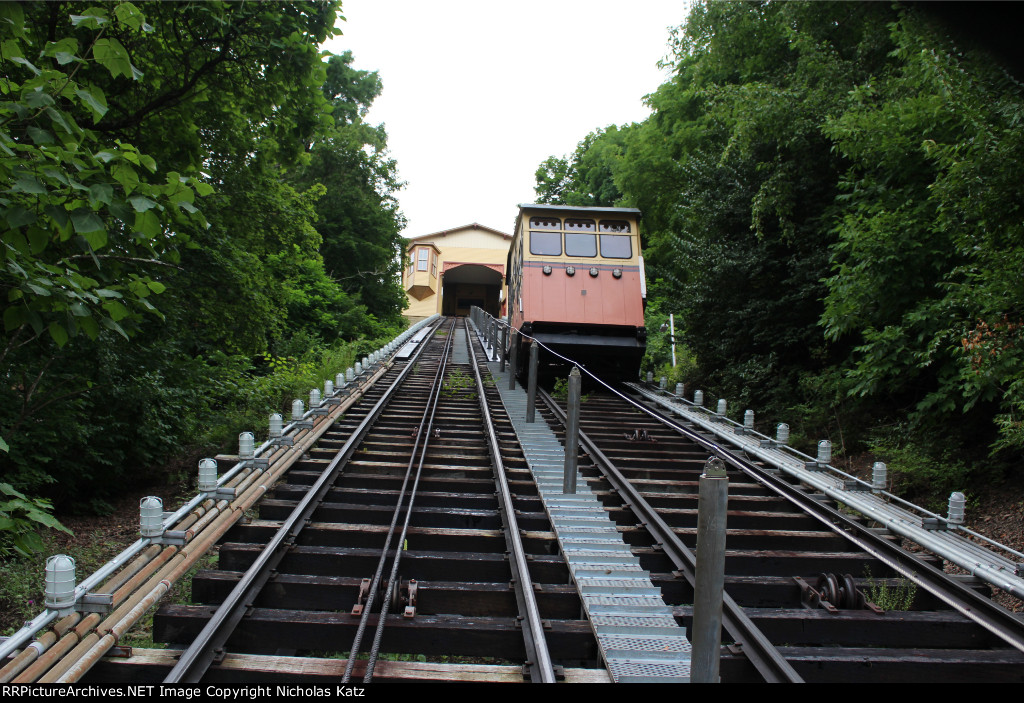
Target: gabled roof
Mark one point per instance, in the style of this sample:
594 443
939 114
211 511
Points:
458 229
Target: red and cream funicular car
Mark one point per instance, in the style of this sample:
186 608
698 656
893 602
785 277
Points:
576 284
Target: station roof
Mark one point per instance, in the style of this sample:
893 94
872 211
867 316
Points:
473 225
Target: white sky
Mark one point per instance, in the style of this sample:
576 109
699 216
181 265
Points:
477 93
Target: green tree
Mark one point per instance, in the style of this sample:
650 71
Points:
737 179
588 177
84 217
115 125
926 274
358 217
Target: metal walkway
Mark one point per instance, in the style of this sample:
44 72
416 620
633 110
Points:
460 354
635 629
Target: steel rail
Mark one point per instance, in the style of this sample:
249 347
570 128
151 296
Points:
424 433
195 660
538 657
983 611
757 648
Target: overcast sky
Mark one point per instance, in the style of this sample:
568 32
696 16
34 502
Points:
477 94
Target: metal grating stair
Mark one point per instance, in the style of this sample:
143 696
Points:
635 629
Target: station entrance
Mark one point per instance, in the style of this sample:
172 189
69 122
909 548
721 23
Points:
466 285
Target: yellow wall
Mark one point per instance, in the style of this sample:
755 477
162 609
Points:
469 239
422 308
463 245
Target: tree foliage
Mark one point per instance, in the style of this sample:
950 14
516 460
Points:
587 178
192 204
926 272
831 206
83 216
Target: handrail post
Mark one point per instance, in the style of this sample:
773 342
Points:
712 504
531 383
514 366
572 432
504 346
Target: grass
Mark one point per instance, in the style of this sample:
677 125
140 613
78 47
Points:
22 578
897 598
141 634
561 391
458 384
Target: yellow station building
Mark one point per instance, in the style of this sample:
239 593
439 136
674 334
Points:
452 270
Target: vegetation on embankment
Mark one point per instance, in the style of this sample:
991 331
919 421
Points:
831 198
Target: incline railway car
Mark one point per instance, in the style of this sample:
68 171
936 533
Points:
576 283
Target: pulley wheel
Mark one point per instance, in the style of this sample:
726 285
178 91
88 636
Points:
849 592
828 587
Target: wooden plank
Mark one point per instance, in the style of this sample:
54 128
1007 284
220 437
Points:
273 509
387 496
420 565
860 628
775 562
871 665
751 539
151 665
298 592
448 539
266 630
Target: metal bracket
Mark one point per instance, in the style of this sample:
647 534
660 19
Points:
95 603
851 485
173 537
558 670
813 599
319 411
364 593
411 591
332 401
283 441
259 463
303 424
832 592
935 523
640 434
815 466
224 493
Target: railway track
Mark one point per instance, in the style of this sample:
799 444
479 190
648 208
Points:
458 605
422 532
805 574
